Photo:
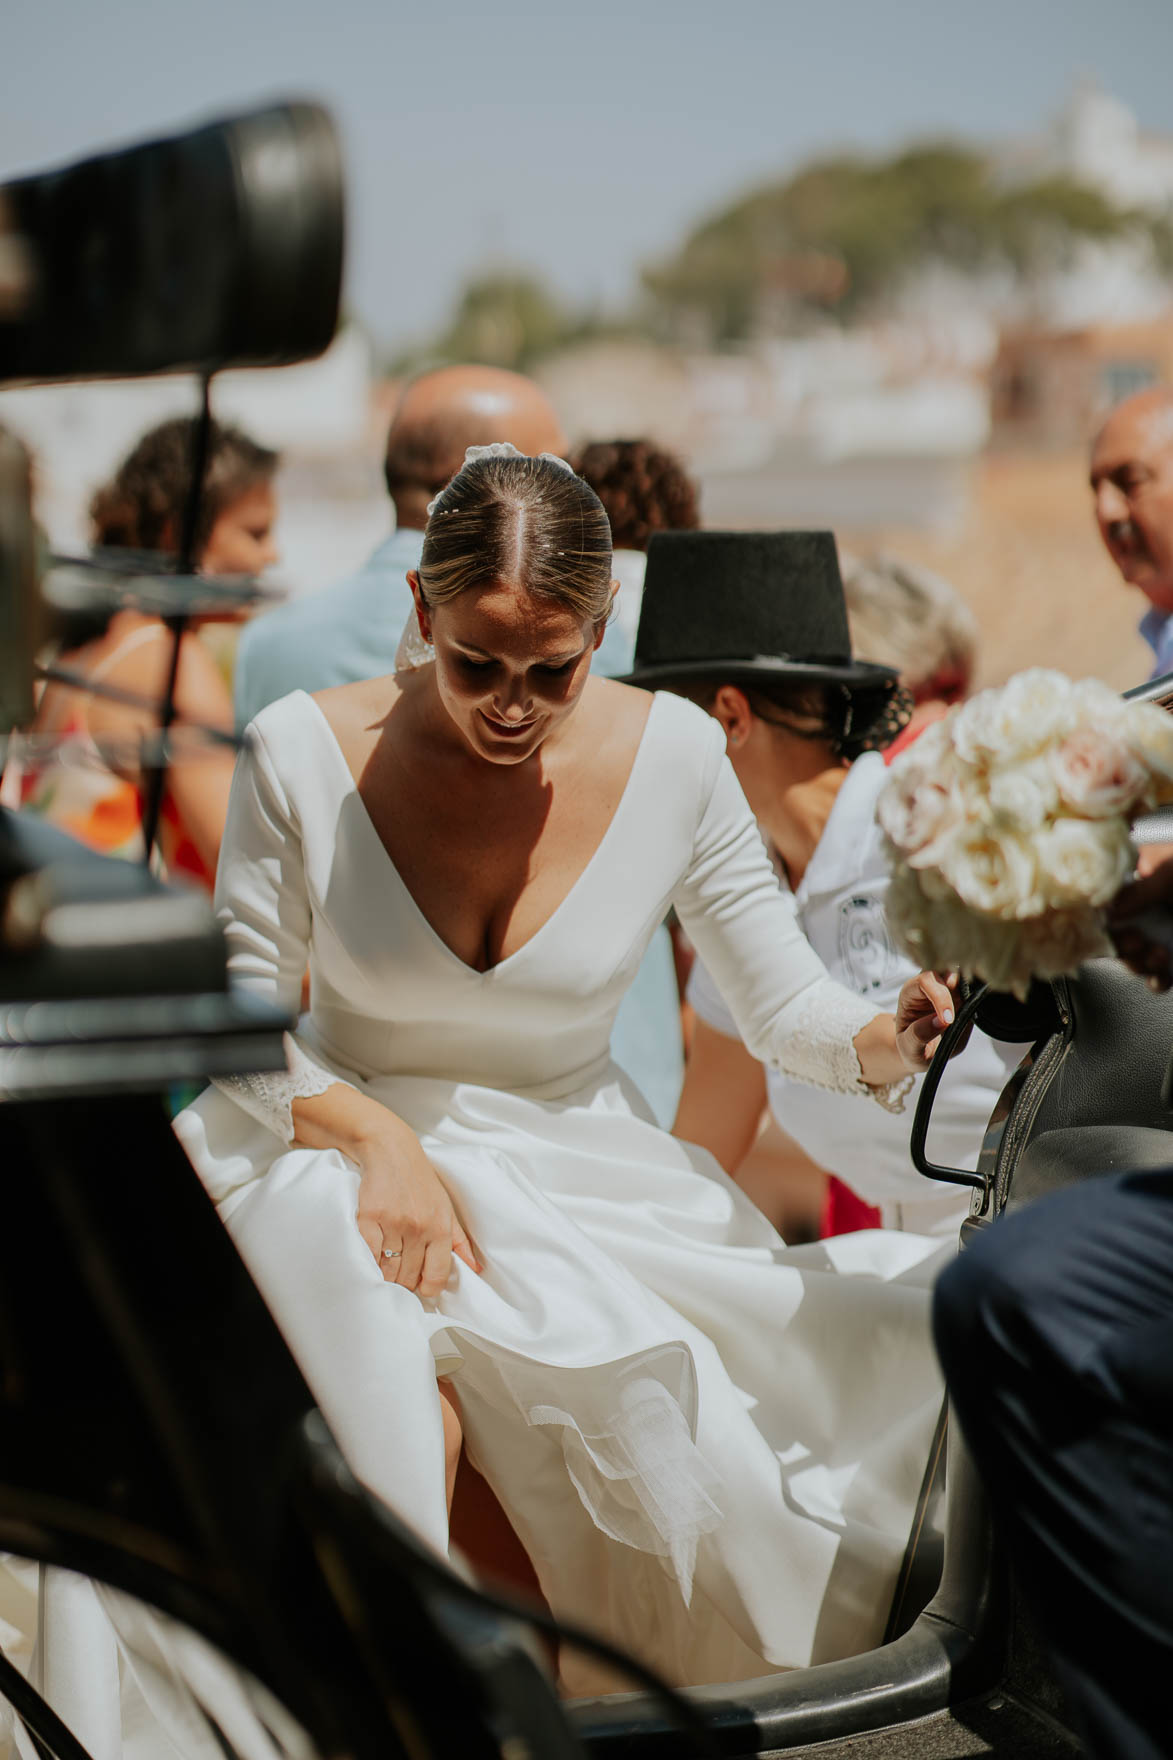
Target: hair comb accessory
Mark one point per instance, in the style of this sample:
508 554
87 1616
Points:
498 449
506 449
502 449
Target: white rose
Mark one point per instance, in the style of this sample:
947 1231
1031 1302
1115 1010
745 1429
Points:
1023 796
1038 707
918 802
1096 773
1098 703
1018 720
942 933
977 732
992 871
1149 732
1083 861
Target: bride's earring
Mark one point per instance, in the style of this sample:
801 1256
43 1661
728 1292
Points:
415 649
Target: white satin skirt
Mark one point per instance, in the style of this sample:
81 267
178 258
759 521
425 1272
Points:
710 1444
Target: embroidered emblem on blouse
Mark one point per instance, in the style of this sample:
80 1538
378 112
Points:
866 952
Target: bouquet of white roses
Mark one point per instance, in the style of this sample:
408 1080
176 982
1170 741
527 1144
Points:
1007 825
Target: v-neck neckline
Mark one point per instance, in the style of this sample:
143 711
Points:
580 879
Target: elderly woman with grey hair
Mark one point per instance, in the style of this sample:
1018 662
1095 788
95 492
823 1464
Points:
912 620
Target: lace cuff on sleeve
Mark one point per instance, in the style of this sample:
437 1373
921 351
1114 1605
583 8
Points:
268 1095
820 1048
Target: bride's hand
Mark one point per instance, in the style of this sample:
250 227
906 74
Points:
405 1215
924 1010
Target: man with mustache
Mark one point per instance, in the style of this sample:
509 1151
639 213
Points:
1132 481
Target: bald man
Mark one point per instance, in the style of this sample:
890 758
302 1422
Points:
352 630
1132 481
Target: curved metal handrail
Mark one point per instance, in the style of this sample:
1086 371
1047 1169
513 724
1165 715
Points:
951 1040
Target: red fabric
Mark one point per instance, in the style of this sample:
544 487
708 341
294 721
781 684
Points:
912 732
179 852
900 744
844 1213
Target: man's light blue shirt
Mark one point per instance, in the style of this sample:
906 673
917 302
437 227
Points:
342 633
1156 627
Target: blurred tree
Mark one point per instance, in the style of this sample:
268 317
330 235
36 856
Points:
501 319
843 232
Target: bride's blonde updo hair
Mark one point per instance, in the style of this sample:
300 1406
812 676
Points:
506 517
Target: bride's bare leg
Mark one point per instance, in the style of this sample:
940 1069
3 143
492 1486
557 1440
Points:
477 1523
453 1437
484 1534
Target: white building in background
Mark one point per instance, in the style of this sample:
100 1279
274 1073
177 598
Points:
1097 139
332 507
869 427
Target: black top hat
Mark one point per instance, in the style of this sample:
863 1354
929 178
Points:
747 607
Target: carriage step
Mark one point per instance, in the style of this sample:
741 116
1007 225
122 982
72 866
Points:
997 1725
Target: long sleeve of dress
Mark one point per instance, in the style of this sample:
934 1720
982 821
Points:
263 906
788 1011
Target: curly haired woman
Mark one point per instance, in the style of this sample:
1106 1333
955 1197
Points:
644 490
89 781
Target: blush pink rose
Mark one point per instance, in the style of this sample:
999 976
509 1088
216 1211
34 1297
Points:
920 801
1096 773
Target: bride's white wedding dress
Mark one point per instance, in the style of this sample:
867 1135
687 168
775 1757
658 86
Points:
710 1444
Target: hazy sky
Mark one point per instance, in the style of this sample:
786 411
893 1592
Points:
577 140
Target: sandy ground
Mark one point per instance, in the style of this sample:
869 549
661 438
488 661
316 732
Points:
1028 558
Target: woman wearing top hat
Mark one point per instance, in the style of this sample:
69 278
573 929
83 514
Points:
463 1216
753 627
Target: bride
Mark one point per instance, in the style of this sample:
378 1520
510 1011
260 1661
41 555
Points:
459 1209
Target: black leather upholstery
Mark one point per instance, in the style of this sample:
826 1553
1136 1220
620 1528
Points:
1097 1099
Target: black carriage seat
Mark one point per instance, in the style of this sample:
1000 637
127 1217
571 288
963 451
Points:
1092 1097
1096 1098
